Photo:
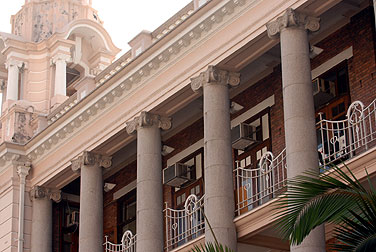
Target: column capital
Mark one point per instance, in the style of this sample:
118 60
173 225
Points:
292 18
214 75
23 168
15 62
39 192
147 119
61 57
90 159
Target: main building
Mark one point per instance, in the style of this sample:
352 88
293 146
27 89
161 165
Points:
210 113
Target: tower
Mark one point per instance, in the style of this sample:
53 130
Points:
56 49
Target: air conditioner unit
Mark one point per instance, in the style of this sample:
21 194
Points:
73 218
176 175
242 136
318 86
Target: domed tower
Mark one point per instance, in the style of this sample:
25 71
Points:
55 51
39 19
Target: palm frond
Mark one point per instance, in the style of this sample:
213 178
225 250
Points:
311 201
210 247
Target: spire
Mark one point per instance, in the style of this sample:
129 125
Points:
39 19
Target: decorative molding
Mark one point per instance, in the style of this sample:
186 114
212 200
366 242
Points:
23 168
61 57
214 75
186 40
39 192
91 159
147 119
13 62
292 18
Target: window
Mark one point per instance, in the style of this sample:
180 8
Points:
331 86
72 76
195 161
127 214
249 180
334 82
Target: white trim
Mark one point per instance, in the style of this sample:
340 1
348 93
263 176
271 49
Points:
268 102
344 55
126 189
186 152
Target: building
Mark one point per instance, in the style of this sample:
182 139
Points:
211 112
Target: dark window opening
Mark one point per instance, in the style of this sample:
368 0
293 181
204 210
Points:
127 214
72 76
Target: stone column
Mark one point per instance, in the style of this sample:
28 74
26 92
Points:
219 189
299 112
41 234
60 62
23 169
13 78
91 200
149 180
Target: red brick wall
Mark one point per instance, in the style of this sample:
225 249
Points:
121 179
359 34
362 72
180 142
272 84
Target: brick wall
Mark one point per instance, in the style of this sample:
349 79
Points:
110 207
362 74
359 34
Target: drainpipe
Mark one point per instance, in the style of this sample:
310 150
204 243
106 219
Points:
22 170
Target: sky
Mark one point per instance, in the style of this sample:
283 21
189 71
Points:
123 19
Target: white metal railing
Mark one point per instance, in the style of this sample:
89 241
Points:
340 140
185 224
128 243
256 186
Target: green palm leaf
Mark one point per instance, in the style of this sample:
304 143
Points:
332 198
210 247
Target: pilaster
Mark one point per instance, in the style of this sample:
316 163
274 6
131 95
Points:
23 169
13 67
60 61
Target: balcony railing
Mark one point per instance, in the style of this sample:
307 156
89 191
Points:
257 186
186 224
128 243
341 140
338 141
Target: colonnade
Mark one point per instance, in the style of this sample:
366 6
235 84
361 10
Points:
214 83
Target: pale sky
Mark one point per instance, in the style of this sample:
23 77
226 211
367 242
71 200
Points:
123 19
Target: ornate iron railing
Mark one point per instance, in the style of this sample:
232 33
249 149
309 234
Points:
340 140
128 243
185 224
257 186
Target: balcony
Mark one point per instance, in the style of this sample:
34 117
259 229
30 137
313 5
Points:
343 139
338 141
185 224
128 243
255 187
